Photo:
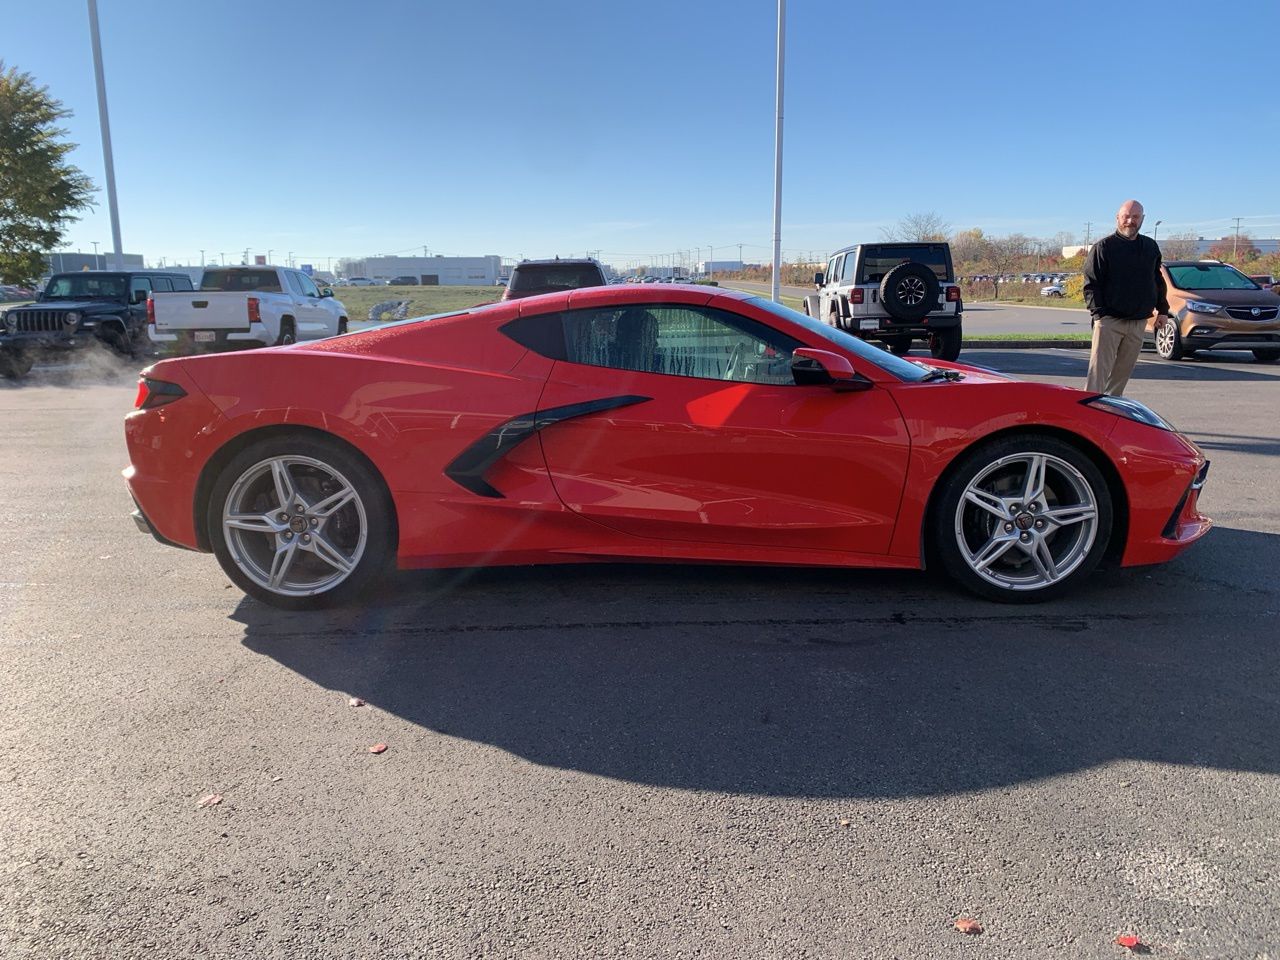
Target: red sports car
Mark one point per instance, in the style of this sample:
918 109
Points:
641 422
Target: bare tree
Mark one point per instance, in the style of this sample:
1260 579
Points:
918 227
1180 246
1003 254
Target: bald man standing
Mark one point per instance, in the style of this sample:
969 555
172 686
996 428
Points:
1123 287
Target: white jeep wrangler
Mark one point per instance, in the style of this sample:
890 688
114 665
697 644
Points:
894 293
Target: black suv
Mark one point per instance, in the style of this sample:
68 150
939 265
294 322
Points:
532 277
78 310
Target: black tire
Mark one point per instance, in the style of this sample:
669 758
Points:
342 325
909 292
898 346
15 366
371 510
1266 355
288 332
119 342
945 344
837 321
1169 341
806 307
1072 482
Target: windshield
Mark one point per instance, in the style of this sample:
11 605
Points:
902 369
555 276
1210 276
86 286
877 260
230 281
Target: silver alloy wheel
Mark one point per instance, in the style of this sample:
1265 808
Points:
911 290
1026 521
1166 339
295 526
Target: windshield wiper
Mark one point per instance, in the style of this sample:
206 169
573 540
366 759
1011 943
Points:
937 373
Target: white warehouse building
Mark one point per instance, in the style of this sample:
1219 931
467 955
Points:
429 271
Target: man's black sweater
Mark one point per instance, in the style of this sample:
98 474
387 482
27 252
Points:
1122 278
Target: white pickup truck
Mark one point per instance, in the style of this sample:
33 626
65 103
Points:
241 307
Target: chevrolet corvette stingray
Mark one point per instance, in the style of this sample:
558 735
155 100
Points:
668 424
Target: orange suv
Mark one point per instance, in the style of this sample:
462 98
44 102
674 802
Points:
1216 307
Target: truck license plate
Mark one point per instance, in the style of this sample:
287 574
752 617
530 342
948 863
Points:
205 336
868 324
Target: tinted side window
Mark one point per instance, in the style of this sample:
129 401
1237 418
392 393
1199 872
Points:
182 283
679 340
308 288
233 280
847 270
137 284
162 284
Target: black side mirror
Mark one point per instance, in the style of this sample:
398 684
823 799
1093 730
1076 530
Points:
326 291
819 279
822 368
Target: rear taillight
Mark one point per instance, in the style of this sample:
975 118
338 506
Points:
156 393
856 294
255 314
953 294
151 311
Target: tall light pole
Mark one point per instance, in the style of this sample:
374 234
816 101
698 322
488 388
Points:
268 256
711 259
202 258
1155 231
105 122
777 159
95 254
224 258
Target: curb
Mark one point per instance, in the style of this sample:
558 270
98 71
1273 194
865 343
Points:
1025 344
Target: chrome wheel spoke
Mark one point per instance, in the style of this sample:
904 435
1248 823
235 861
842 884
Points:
330 554
332 503
1033 489
988 501
993 550
283 483
281 563
1065 516
1042 558
253 522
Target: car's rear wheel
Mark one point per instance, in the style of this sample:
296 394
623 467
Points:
898 346
1022 519
836 320
1266 355
342 325
15 366
1169 341
945 344
300 522
288 333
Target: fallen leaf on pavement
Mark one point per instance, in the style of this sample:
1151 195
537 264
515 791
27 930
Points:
845 822
1129 941
212 800
355 702
378 748
968 925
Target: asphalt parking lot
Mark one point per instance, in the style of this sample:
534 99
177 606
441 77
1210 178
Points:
640 761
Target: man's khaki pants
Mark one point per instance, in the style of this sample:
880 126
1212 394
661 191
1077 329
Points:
1114 354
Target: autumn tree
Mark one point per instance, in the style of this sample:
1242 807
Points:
1179 246
40 192
968 249
1234 249
918 227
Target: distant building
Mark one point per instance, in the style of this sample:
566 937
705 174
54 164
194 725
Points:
68 262
1204 245
718 266
430 271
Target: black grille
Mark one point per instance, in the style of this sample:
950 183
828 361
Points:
40 321
1246 313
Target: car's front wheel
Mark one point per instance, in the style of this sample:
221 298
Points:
1022 519
300 522
1169 341
15 366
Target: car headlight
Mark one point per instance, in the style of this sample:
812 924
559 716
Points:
1199 306
71 319
1130 410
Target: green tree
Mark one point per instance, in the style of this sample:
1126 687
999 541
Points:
40 192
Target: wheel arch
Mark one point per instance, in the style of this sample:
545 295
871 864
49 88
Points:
1115 485
224 454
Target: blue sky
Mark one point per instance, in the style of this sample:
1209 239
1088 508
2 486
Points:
524 129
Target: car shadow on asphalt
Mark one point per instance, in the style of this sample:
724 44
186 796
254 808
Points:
815 683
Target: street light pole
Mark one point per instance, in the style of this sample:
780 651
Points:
105 122
95 254
1155 231
776 291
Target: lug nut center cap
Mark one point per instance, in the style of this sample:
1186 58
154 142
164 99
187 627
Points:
1024 521
298 524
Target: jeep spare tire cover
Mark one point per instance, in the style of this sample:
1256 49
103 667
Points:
909 292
